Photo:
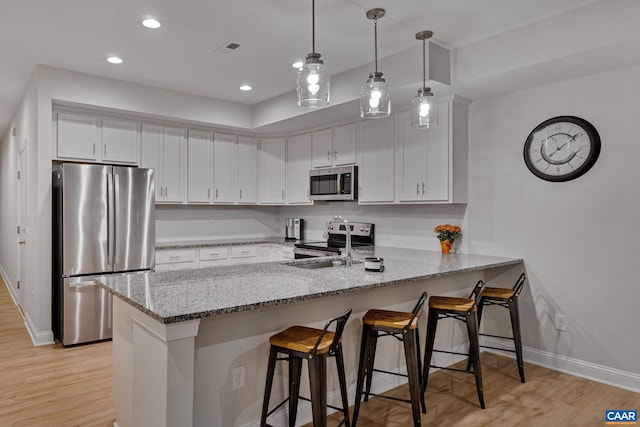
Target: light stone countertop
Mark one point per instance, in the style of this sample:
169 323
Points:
176 296
186 244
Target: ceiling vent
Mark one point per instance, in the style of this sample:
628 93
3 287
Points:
228 47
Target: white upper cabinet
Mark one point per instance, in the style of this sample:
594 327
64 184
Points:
77 136
199 166
298 166
164 150
344 144
272 170
120 139
376 160
334 147
225 168
91 138
247 170
432 163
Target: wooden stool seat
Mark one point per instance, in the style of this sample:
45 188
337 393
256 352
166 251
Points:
303 339
499 293
390 319
403 326
451 303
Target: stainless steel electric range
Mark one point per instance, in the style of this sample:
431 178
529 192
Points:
362 235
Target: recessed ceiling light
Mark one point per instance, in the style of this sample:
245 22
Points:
297 64
246 87
151 23
115 59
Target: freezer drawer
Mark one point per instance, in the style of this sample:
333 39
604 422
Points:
86 315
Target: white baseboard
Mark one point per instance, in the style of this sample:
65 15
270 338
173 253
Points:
579 368
10 287
38 338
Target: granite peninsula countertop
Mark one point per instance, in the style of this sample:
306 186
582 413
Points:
186 244
176 296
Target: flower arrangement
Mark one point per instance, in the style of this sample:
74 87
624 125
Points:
447 233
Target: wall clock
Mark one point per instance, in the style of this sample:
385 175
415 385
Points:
562 148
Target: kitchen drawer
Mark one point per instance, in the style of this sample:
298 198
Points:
166 256
216 253
244 251
286 252
172 266
245 260
213 263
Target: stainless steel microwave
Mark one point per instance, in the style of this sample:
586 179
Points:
334 183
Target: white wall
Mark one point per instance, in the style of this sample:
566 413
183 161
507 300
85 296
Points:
578 239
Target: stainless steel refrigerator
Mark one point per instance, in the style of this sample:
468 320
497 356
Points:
103 223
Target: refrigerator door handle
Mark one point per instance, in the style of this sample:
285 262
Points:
116 218
110 221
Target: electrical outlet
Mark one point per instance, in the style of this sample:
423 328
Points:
561 322
237 377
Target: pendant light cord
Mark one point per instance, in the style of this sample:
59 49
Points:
313 26
375 36
424 67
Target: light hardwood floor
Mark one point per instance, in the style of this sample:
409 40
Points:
56 386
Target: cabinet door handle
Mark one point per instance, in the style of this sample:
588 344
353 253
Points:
417 188
105 150
335 154
240 194
94 148
282 194
216 193
328 155
208 193
423 188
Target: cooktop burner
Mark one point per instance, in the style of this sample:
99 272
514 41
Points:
362 234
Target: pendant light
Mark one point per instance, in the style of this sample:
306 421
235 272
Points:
313 78
375 102
424 113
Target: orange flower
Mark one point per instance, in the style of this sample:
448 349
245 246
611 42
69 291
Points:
447 232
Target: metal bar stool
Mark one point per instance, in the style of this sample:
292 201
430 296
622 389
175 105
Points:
465 310
507 298
314 345
404 327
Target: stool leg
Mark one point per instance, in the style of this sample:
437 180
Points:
343 384
432 323
419 359
295 371
318 385
480 309
410 356
517 338
474 353
271 367
373 344
362 364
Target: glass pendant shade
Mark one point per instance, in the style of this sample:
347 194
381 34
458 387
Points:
375 101
424 112
313 83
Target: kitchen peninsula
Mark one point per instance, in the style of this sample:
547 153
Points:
178 335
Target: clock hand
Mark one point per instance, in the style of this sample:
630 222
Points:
564 145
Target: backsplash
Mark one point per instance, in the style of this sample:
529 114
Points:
405 226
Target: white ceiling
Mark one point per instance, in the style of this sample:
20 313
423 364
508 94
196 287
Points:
79 34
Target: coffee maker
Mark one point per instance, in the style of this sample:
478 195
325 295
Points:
294 229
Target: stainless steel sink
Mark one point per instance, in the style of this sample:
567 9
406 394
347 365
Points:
323 264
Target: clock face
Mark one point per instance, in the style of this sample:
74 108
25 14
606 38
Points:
562 148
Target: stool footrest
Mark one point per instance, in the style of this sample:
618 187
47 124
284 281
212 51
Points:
497 348
498 336
328 406
390 397
450 352
277 407
464 371
390 373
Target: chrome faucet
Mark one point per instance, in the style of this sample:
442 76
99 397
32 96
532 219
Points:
347 248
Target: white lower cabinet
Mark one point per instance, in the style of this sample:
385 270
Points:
189 258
